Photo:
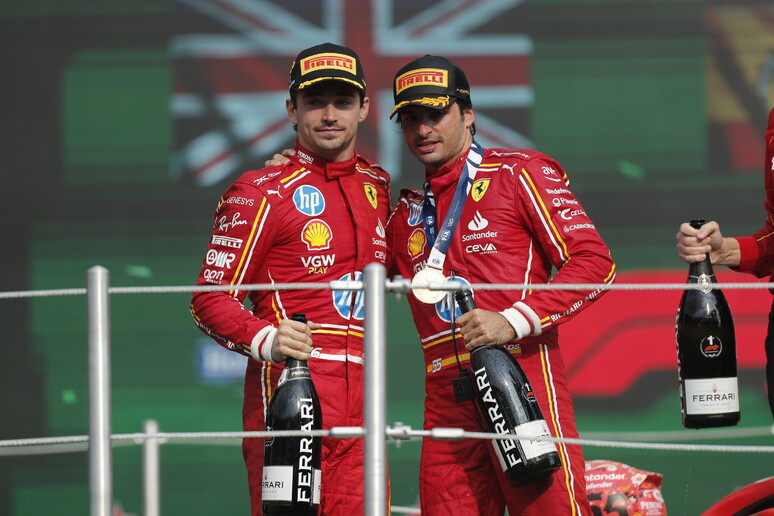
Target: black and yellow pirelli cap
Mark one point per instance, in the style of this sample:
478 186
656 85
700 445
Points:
326 62
430 81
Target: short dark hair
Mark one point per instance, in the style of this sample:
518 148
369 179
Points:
467 104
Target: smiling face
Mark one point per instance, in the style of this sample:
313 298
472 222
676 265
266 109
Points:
436 136
327 116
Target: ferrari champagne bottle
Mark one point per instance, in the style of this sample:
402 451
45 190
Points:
291 465
507 404
706 352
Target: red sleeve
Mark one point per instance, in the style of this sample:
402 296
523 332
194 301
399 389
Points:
242 231
567 236
757 250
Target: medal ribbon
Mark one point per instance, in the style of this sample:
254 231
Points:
440 242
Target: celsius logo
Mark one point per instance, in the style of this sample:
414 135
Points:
478 223
309 200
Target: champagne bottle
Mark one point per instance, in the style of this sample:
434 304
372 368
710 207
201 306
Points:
506 404
706 352
291 465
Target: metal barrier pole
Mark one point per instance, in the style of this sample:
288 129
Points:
375 400
100 450
151 469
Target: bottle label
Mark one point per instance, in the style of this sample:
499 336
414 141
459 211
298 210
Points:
316 488
705 280
278 483
534 448
711 396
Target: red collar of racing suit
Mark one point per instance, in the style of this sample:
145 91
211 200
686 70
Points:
447 175
331 169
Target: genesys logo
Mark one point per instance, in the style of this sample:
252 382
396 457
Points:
244 201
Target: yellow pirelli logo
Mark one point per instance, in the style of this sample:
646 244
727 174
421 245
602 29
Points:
329 61
422 77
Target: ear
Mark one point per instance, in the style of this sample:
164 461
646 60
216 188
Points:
469 116
364 109
291 109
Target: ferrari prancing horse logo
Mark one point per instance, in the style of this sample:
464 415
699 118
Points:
370 191
479 188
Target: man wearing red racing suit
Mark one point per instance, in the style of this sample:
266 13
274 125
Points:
318 218
518 222
753 254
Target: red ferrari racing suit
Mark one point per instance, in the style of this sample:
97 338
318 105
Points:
757 250
757 253
309 220
519 220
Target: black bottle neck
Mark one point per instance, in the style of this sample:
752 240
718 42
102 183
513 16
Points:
294 363
699 269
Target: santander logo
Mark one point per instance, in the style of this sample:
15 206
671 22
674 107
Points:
478 223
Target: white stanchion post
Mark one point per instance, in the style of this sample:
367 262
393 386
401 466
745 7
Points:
375 400
151 469
100 448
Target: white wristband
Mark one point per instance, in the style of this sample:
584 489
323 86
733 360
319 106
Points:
523 319
260 347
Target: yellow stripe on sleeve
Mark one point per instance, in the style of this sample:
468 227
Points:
546 214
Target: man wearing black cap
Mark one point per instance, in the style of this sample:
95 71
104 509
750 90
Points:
488 216
319 217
